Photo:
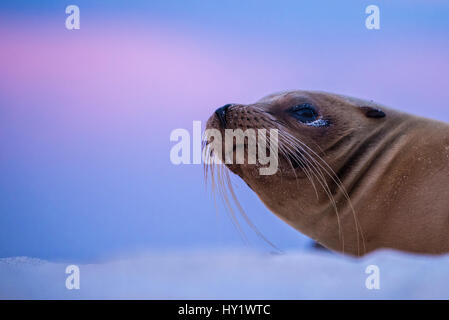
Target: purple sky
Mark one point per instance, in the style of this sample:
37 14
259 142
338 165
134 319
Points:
86 114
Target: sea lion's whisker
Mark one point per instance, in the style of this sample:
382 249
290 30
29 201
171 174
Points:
227 203
222 182
289 152
243 213
337 181
322 181
302 152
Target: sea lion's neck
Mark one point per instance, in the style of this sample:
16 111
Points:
368 165
368 160
370 154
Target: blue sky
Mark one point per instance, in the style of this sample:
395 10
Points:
86 115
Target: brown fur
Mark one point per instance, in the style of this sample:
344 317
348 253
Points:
394 169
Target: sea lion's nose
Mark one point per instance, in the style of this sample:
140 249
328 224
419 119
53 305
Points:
221 114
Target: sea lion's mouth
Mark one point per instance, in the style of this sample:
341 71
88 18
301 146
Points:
287 162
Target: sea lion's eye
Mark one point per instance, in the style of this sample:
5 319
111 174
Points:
304 112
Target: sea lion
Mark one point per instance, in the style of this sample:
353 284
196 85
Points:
353 175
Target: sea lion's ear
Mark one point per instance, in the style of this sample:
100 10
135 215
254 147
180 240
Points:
372 112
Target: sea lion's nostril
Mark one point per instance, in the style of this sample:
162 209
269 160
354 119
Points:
221 114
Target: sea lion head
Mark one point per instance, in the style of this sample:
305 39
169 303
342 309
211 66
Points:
316 131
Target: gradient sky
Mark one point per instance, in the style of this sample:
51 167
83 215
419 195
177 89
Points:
86 115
